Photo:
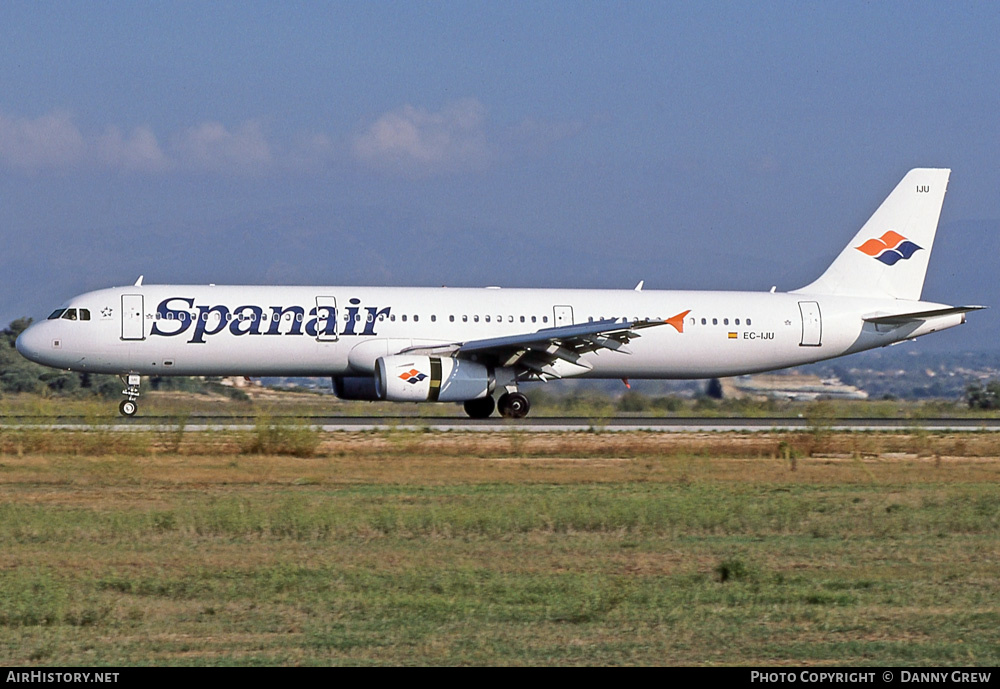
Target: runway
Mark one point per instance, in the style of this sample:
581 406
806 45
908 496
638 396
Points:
539 424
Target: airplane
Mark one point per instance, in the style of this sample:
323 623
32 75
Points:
471 345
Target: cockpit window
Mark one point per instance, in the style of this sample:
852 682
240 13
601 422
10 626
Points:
69 314
56 314
84 314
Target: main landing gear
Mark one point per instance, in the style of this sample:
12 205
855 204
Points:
511 405
128 407
479 408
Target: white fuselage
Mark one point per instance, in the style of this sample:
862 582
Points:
287 331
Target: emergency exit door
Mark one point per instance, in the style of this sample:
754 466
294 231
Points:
562 315
132 321
812 324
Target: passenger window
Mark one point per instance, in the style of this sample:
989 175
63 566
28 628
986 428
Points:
416 318
522 319
404 317
433 318
451 318
545 319
392 317
704 321
465 319
56 314
487 319
475 318
725 321
737 321
715 321
748 321
533 319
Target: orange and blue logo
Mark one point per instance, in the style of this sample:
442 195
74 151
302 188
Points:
413 376
890 248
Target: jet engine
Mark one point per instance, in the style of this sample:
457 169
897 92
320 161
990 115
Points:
355 388
402 378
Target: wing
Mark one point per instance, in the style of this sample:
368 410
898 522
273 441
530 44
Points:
551 352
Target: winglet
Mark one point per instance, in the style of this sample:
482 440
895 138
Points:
678 321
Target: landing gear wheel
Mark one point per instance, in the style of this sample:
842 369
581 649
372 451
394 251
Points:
513 405
128 407
480 408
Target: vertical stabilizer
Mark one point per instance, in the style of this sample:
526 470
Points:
888 257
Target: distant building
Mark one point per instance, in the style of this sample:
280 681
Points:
791 387
239 382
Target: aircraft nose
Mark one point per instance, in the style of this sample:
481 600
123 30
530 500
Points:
32 343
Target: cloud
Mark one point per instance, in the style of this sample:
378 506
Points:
416 142
54 143
211 147
409 141
49 141
139 152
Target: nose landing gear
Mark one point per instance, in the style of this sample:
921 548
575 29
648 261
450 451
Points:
128 407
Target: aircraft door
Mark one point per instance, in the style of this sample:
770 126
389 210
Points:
326 319
812 324
132 321
562 315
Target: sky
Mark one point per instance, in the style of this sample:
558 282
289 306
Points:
708 145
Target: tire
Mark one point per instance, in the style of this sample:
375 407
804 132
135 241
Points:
128 408
479 408
514 405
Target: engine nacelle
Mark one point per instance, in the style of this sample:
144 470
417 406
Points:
402 378
355 388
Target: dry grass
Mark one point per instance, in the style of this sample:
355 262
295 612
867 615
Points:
502 548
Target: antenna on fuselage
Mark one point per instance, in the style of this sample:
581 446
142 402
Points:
138 283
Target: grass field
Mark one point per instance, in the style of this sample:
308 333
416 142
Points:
400 547
590 404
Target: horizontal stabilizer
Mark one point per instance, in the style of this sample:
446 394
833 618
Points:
903 318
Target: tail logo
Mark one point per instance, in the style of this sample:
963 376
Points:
413 376
890 248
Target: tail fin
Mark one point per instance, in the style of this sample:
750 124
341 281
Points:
888 257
